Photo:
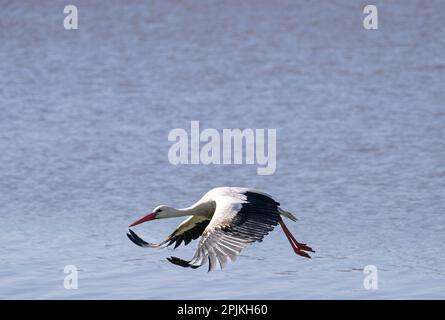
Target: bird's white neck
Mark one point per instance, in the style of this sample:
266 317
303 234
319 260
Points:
205 208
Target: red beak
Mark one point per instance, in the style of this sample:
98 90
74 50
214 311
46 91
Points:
145 218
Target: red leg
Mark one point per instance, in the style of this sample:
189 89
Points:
298 247
301 246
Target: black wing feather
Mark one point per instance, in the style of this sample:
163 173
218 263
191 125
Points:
189 235
175 238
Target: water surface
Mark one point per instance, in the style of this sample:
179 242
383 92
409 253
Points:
360 121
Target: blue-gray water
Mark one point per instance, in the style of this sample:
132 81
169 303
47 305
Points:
360 121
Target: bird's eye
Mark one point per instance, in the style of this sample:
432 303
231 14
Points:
159 210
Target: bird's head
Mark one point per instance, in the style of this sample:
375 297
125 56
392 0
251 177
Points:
160 212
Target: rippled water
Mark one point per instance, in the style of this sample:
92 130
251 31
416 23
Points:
360 121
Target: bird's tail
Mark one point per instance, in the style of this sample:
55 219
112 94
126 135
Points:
287 214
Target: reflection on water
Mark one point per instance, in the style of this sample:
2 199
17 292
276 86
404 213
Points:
360 157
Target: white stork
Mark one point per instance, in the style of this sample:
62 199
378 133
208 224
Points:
228 219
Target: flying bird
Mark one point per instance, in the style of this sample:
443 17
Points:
227 219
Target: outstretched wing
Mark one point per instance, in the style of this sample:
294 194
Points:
236 223
190 229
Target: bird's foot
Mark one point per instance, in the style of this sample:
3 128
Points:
298 247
